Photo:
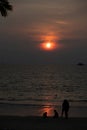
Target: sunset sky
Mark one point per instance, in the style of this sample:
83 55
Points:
33 23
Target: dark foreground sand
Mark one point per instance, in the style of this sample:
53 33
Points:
38 123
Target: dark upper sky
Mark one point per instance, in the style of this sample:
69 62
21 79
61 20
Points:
33 22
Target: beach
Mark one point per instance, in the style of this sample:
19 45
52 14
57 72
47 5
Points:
26 92
19 118
39 123
43 64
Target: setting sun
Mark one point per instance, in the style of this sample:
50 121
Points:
49 46
50 42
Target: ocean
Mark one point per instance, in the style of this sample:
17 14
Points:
30 90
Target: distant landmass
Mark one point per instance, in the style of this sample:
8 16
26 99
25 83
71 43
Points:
80 63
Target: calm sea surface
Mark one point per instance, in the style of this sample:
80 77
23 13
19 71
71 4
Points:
42 85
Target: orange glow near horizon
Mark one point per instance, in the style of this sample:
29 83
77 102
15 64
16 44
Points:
49 43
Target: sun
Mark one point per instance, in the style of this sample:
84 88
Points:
48 46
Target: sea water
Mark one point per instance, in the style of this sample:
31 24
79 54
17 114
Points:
34 89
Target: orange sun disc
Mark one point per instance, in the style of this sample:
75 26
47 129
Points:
48 46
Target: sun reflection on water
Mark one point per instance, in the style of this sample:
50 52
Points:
48 109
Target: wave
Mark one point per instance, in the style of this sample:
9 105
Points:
25 105
85 100
41 104
42 100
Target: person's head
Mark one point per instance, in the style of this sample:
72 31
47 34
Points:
65 100
54 110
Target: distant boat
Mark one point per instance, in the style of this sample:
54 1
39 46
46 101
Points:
80 63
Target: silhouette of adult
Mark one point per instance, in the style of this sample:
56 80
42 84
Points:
65 108
56 115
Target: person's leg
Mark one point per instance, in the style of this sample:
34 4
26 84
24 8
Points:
62 112
66 114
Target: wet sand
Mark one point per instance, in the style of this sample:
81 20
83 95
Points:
39 123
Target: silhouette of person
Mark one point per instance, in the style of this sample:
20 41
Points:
45 115
56 115
65 108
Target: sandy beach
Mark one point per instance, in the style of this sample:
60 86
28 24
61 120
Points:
39 123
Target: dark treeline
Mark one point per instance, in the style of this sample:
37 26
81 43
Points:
5 6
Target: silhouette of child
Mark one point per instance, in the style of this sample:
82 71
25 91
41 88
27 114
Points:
56 115
65 108
45 115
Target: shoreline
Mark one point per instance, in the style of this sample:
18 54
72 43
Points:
39 123
25 110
